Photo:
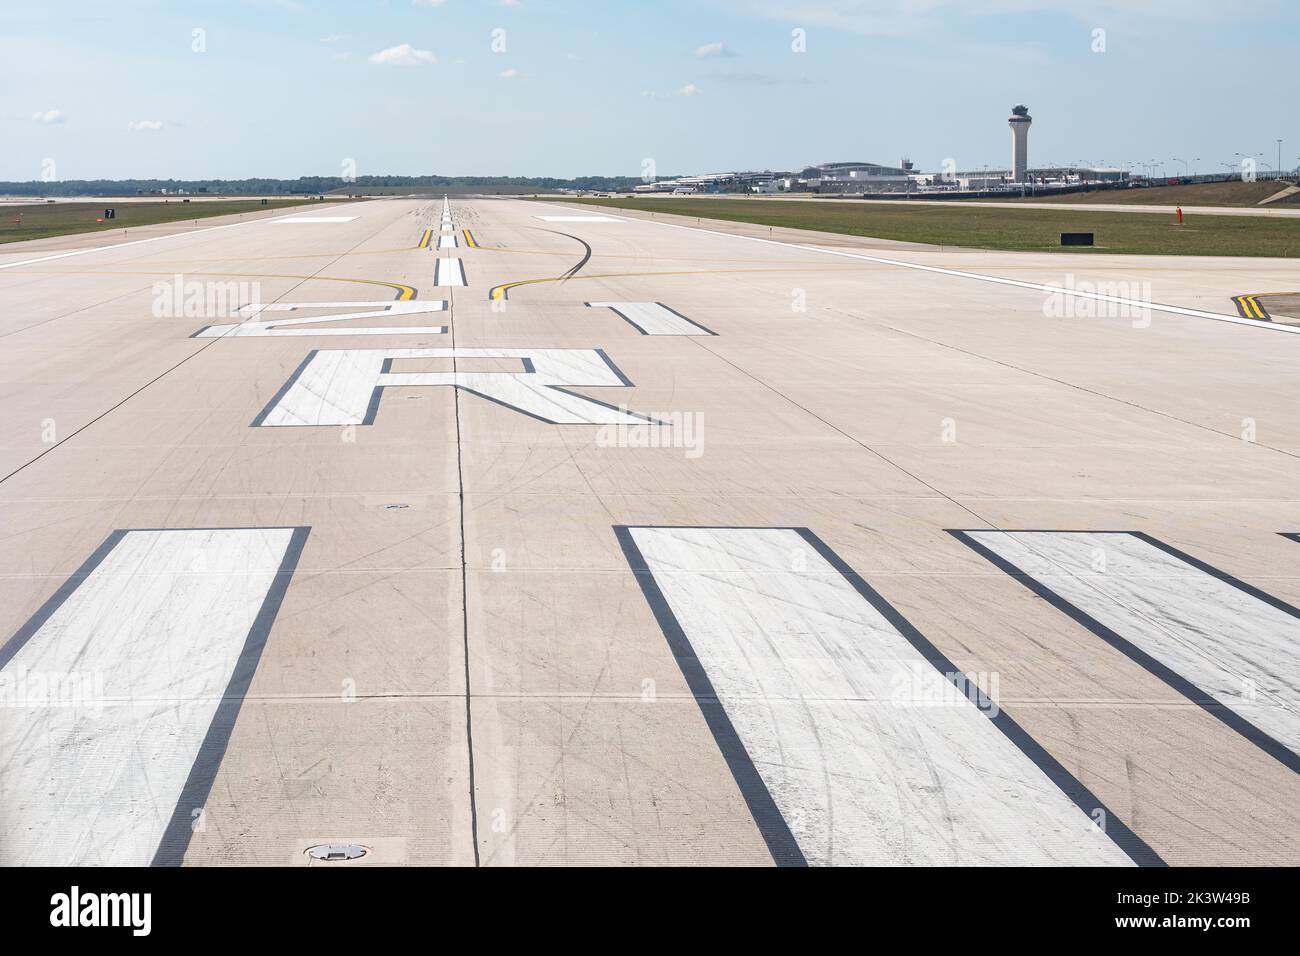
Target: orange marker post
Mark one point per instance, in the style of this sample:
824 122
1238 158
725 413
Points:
1179 210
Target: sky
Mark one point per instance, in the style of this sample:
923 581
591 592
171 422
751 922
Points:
198 89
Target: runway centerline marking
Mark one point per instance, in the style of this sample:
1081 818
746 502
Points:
449 272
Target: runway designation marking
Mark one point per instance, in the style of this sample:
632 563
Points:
124 688
449 272
344 386
280 327
314 220
852 738
447 242
653 318
1223 644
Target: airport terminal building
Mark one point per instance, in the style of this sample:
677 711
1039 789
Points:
855 177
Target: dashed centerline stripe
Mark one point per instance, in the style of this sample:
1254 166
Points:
449 272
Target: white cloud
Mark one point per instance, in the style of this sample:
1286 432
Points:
717 48
145 124
509 74
403 55
891 18
690 89
48 116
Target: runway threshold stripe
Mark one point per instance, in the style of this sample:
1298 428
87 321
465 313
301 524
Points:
449 272
160 631
1223 644
653 318
853 740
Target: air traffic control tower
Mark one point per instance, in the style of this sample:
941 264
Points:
1019 122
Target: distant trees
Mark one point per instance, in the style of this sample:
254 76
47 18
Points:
300 186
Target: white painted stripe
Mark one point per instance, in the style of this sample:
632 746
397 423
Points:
1231 645
579 219
297 220
274 327
999 280
136 242
447 242
389 306
447 227
449 272
338 386
871 755
161 622
653 318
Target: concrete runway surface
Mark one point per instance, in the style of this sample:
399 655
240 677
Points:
586 538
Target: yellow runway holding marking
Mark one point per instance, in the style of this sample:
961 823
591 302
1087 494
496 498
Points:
1249 308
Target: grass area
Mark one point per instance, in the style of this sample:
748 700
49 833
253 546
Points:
1235 193
983 227
42 220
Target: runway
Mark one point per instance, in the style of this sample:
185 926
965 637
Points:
503 532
